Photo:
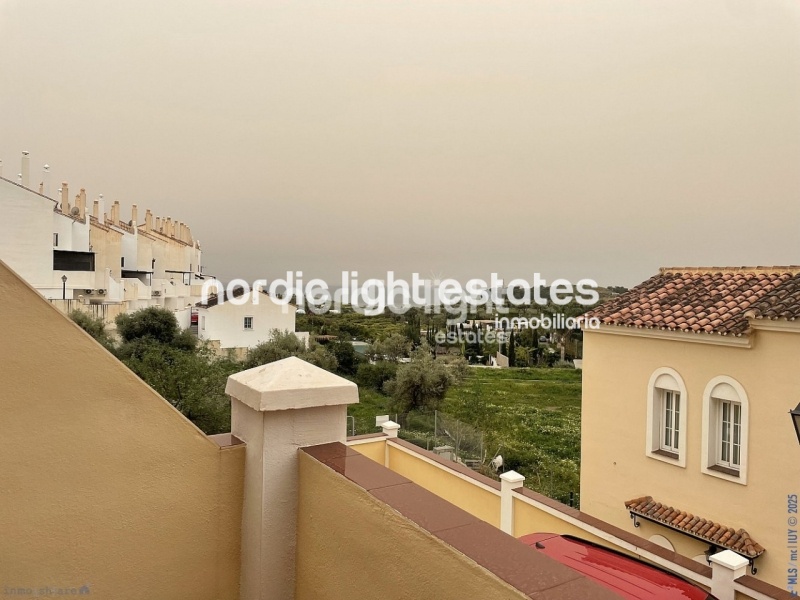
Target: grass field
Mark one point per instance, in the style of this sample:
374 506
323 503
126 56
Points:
532 416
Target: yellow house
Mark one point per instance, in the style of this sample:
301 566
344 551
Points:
686 436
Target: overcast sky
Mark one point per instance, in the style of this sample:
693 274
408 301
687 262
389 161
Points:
592 138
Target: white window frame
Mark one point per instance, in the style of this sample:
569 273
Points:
719 391
670 413
244 323
663 380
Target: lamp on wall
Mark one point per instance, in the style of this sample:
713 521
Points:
796 421
63 287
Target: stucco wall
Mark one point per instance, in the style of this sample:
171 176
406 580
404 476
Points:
375 450
463 493
103 482
350 545
614 467
26 233
225 322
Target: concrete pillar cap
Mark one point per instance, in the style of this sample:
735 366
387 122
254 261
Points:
512 477
729 559
290 383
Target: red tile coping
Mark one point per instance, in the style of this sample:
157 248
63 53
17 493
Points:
366 436
765 588
737 540
706 300
702 570
225 440
522 567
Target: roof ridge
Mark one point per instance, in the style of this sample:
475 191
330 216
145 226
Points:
793 269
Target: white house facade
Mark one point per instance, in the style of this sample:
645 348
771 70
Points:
242 326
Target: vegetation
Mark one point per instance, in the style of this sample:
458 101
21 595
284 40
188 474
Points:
422 383
93 326
529 415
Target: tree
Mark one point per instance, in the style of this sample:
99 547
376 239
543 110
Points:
154 322
512 351
346 356
283 344
421 384
376 375
153 325
393 348
94 326
413 324
193 382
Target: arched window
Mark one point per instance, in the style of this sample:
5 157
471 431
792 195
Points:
666 417
725 427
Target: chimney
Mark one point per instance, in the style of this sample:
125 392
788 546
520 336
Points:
115 213
96 210
148 220
168 227
134 215
82 204
101 211
41 187
64 198
158 223
26 169
46 180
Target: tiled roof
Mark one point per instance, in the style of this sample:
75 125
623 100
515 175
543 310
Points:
737 540
706 300
783 303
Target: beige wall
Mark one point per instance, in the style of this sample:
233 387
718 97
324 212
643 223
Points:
107 246
374 450
614 467
472 498
351 545
103 482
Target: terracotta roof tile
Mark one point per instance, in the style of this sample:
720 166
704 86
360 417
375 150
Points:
737 540
706 300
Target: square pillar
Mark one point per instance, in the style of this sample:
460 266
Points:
509 482
276 409
726 568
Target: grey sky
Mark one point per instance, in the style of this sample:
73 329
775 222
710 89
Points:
591 138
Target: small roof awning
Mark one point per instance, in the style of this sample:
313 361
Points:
705 530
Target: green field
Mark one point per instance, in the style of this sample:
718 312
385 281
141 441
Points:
531 415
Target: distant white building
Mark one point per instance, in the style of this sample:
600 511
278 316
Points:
238 327
71 253
90 259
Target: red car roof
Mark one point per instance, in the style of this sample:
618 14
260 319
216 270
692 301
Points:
628 577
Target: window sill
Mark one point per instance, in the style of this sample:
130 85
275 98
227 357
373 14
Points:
667 457
726 470
667 454
726 473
